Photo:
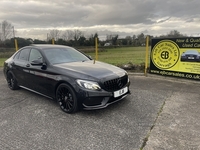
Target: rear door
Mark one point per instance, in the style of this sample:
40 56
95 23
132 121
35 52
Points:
20 68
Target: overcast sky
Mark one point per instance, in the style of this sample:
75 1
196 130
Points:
34 18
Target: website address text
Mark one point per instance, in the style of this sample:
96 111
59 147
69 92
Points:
176 74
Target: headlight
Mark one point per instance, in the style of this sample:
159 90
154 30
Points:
88 84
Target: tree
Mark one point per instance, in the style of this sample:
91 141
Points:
134 40
54 34
70 43
124 42
91 41
77 35
174 34
129 40
6 30
114 40
141 39
68 35
81 41
96 35
61 42
23 42
37 41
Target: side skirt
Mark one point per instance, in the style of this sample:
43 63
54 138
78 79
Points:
35 92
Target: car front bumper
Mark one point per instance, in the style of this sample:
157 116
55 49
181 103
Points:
99 99
104 102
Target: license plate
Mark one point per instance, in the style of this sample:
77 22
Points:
120 92
190 57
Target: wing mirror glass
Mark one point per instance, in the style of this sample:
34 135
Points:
38 62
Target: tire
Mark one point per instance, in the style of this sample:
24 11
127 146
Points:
66 98
11 81
182 59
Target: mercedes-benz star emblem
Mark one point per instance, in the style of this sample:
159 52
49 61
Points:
119 83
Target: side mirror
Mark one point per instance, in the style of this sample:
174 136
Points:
37 62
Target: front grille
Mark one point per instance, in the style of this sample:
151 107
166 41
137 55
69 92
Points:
115 84
191 55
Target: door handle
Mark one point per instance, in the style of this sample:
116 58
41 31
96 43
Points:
28 65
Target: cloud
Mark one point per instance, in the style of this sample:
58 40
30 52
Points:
127 16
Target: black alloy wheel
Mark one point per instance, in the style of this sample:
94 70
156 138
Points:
12 83
66 98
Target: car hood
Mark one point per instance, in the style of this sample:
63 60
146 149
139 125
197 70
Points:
99 70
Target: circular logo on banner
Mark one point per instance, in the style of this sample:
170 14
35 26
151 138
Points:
165 54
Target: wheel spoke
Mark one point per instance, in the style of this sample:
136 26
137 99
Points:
68 106
10 81
70 103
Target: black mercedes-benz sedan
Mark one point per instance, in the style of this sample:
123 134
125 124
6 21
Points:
66 75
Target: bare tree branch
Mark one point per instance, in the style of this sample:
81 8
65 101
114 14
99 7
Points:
54 34
68 35
6 30
77 34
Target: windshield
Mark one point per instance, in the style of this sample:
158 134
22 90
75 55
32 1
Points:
191 52
64 55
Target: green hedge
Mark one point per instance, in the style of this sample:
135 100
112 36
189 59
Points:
6 52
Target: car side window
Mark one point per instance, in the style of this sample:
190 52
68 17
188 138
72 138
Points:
24 54
17 55
35 55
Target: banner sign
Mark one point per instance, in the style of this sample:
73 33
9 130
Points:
177 57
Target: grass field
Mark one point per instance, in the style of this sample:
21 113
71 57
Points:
121 56
116 56
2 61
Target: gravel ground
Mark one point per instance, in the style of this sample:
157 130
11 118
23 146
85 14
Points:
30 121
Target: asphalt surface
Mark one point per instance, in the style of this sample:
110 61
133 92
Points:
159 114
